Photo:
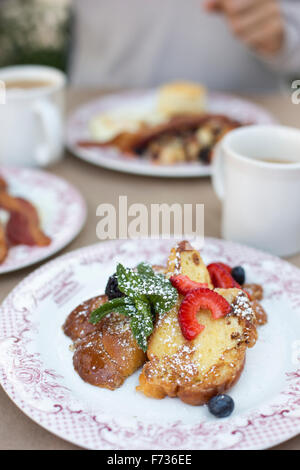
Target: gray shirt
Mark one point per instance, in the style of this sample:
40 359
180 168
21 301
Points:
139 43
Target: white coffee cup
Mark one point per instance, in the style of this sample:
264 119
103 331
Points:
31 119
261 200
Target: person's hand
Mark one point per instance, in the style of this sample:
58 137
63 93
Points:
258 23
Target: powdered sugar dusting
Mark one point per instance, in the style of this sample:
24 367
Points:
177 369
242 308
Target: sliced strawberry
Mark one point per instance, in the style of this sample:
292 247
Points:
192 303
184 284
220 277
225 266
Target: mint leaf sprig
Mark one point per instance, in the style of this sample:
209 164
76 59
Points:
145 292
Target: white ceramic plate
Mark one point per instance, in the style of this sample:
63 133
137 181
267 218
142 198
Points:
61 209
37 373
78 129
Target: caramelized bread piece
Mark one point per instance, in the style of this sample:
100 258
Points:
105 353
94 364
255 291
77 324
260 314
105 358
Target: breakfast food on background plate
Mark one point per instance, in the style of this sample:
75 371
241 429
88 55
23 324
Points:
22 226
189 325
3 184
181 98
183 138
176 129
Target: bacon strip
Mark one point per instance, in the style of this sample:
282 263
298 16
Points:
23 227
3 245
125 142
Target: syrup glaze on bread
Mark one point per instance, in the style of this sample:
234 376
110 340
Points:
106 353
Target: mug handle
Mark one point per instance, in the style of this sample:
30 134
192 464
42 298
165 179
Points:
218 171
51 124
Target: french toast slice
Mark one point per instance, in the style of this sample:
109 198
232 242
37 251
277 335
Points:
197 370
77 324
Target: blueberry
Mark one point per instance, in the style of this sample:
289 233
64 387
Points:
238 273
112 288
221 406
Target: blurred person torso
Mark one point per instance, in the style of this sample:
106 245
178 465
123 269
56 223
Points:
140 43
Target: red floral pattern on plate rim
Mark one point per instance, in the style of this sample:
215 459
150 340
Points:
59 414
69 219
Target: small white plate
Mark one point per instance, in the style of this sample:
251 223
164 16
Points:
37 373
61 209
78 129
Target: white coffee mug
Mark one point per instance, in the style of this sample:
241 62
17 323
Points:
31 119
261 199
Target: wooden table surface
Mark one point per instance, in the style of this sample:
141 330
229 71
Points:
98 185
